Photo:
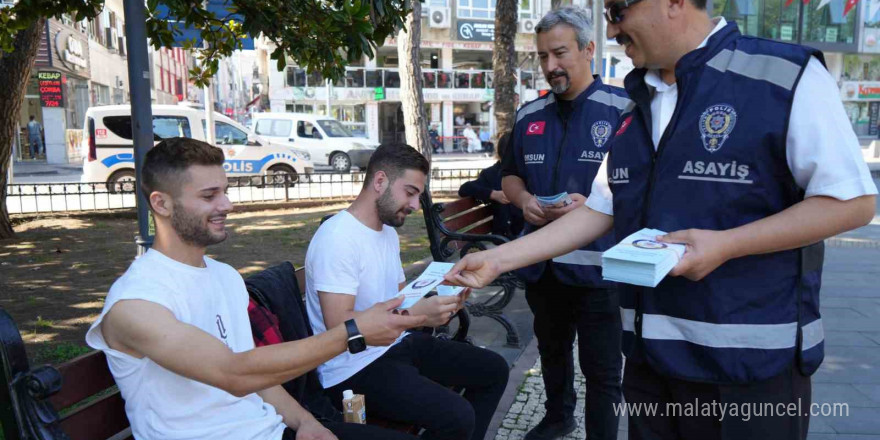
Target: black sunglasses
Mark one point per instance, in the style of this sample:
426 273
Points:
614 12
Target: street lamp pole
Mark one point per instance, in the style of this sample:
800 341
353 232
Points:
141 110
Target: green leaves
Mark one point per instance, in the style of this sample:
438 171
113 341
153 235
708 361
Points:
312 32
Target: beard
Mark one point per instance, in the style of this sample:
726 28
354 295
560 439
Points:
388 210
191 229
556 87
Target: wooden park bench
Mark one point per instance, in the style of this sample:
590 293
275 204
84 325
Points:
465 225
77 400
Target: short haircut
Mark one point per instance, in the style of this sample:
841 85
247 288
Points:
166 164
699 4
394 160
573 16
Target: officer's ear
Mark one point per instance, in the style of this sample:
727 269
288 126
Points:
590 50
675 8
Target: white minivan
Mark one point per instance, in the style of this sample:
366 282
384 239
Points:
325 138
107 140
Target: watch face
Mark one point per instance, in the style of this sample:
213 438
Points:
357 345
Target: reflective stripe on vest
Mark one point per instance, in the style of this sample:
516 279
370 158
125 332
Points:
754 336
609 99
776 70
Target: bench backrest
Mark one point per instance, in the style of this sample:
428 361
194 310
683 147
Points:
457 226
85 395
89 401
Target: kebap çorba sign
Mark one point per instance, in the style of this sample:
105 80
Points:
51 89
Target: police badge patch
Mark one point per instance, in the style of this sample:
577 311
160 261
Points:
716 123
601 131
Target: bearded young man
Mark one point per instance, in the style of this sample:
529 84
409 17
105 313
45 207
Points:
353 263
175 326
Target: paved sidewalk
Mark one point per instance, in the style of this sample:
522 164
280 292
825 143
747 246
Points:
850 374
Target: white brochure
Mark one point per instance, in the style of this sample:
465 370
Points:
428 281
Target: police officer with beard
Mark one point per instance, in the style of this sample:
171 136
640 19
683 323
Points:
558 144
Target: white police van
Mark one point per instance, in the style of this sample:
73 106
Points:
325 138
107 140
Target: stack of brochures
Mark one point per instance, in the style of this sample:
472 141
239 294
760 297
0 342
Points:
559 200
641 260
429 280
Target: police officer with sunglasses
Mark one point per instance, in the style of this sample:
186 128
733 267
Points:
724 149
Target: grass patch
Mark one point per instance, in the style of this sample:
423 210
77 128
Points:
61 353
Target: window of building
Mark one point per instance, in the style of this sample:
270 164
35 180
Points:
299 108
296 77
829 25
100 94
274 127
763 18
480 9
353 117
525 9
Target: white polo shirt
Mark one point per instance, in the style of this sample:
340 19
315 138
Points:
822 150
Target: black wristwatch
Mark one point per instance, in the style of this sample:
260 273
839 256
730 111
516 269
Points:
356 341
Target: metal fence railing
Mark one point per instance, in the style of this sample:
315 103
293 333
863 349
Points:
63 197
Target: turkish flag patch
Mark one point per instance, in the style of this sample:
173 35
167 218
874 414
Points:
535 128
624 125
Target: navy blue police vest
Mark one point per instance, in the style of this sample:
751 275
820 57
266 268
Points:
721 163
556 155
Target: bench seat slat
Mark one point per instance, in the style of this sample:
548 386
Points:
457 206
468 219
98 420
84 376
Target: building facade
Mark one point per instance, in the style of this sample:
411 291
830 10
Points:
57 94
456 61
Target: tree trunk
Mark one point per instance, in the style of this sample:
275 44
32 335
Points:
414 117
15 70
504 62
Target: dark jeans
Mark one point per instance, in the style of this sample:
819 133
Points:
561 311
409 383
355 431
642 385
35 145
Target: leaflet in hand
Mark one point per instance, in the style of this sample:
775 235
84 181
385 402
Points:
641 260
559 199
428 281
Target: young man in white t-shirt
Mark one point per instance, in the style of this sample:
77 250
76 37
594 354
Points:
353 263
175 326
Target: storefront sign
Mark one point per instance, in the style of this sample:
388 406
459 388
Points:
831 35
470 30
51 89
786 33
860 91
71 51
463 45
379 94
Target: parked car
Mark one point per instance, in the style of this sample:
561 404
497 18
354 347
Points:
107 139
328 141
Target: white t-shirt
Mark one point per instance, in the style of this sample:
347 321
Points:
163 405
347 257
822 151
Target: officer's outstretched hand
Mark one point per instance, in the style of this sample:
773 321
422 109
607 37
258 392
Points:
706 250
553 213
475 270
534 213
